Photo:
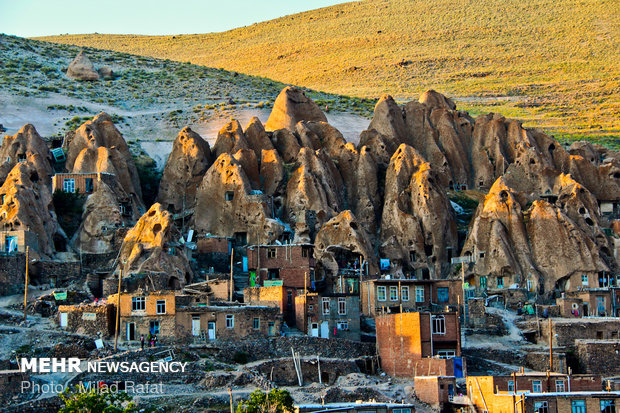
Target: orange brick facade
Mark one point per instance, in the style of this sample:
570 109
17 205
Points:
291 264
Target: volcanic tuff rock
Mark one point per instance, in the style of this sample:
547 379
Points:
256 137
106 72
343 231
97 146
417 215
186 165
27 205
230 139
106 210
291 106
286 143
271 172
26 144
81 68
146 248
226 204
249 163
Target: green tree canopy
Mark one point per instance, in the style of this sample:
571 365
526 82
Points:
276 401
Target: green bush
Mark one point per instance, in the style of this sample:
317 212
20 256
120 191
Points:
240 357
276 401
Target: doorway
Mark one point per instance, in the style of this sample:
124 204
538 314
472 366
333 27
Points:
131 331
325 329
211 330
195 325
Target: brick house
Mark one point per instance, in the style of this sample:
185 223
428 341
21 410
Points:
143 312
213 252
291 265
538 392
435 390
75 183
89 319
217 322
419 344
587 302
412 295
328 315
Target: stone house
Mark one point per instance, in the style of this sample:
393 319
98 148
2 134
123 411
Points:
328 315
88 319
412 295
419 344
143 312
213 252
17 241
10 382
588 302
538 392
279 297
291 265
225 321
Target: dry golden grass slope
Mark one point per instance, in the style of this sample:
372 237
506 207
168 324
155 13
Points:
553 63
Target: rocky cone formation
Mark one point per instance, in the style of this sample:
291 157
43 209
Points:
97 146
26 145
291 106
186 165
152 245
418 224
27 205
226 204
81 68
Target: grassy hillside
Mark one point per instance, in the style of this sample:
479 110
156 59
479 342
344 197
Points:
553 63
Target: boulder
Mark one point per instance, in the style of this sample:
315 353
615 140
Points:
152 245
388 120
249 163
186 165
226 205
291 106
286 143
81 68
106 72
436 100
418 227
256 137
26 145
271 172
230 139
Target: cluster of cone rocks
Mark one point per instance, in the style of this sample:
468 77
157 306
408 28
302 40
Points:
385 197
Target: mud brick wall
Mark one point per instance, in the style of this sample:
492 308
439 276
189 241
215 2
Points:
433 390
103 323
282 371
12 270
60 272
98 262
566 332
539 361
598 356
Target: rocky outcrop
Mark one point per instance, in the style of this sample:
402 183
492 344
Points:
292 106
271 172
27 205
81 68
26 145
249 163
106 73
152 245
186 165
343 232
417 226
256 137
230 139
97 146
106 210
226 204
286 143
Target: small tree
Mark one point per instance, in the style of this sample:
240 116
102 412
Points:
276 401
93 401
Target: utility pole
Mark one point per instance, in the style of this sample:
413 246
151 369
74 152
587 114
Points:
118 309
550 347
231 400
26 283
232 254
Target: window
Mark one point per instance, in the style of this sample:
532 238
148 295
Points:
578 406
88 185
10 243
325 306
2 199
161 306
68 185
541 407
381 293
443 295
439 325
500 282
230 321
608 406
342 325
419 294
511 385
444 354
393 293
559 386
154 327
305 252
342 305
272 253
401 410
584 279
404 293
256 323
537 386
138 303
310 307
229 196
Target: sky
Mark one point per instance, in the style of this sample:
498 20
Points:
30 18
